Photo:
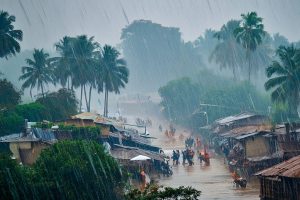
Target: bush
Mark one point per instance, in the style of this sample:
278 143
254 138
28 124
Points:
185 101
10 122
86 132
9 96
160 193
78 170
34 112
13 180
59 105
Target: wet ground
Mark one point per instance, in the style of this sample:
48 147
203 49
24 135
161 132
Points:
214 180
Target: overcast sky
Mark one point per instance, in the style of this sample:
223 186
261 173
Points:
46 21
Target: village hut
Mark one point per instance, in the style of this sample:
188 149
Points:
281 181
26 148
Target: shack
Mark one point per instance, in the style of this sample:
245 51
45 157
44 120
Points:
107 125
239 120
26 148
288 136
250 148
281 181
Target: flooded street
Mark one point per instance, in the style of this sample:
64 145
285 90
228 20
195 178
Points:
214 180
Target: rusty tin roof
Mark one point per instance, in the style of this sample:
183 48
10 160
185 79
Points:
289 168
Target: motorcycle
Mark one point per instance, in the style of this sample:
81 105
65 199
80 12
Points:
166 170
240 182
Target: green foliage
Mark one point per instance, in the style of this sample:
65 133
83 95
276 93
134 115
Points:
10 122
155 192
284 78
185 101
113 74
9 37
39 72
279 113
228 53
250 35
77 63
9 96
13 182
66 170
59 105
205 45
34 112
156 54
180 98
78 170
87 132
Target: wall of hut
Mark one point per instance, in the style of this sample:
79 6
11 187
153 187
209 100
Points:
279 188
256 147
27 152
80 122
289 144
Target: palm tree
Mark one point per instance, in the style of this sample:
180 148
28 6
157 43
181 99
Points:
9 37
83 68
63 62
284 78
38 73
77 63
228 53
250 35
113 73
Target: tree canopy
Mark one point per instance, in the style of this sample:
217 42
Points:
9 95
284 76
156 54
183 99
9 37
78 170
38 72
250 34
59 105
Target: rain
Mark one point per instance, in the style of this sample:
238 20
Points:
139 99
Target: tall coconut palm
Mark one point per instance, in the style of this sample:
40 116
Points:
63 62
76 63
83 68
250 34
9 37
38 73
228 53
114 73
284 78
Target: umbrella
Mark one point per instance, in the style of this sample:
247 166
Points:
140 158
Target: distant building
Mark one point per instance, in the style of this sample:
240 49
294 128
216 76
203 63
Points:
281 181
239 120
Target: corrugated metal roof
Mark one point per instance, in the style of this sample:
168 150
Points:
246 131
85 115
289 168
129 153
246 135
98 119
37 134
230 119
16 137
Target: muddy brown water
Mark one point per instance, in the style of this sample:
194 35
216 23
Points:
214 181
